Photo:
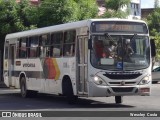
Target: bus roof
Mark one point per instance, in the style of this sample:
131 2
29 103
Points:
60 27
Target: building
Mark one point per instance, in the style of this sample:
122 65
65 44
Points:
134 8
145 12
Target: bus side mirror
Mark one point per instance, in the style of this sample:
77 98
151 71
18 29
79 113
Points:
153 48
90 44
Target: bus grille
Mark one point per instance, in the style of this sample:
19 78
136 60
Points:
122 75
119 83
124 89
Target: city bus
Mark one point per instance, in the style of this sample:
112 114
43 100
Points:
88 58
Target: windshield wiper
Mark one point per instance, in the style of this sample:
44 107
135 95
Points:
133 37
106 34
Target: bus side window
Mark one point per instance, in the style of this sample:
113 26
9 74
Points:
47 51
44 45
23 48
18 49
69 43
33 45
56 51
56 44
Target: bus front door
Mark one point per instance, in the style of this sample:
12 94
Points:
82 53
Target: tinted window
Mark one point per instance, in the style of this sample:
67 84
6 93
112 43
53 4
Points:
6 52
69 43
44 46
23 48
56 41
33 46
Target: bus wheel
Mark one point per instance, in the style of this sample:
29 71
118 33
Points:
71 98
24 92
118 99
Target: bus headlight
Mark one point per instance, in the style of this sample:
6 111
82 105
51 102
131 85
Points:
144 81
97 80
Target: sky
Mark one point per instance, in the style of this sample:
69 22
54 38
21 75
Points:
147 3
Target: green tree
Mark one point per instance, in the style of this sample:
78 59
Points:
156 3
28 14
22 16
62 11
9 21
13 18
116 4
16 17
56 12
114 8
157 42
153 21
87 9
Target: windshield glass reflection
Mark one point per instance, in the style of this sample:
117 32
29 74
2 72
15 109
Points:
120 52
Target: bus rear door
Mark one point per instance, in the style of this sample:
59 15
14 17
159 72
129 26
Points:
82 52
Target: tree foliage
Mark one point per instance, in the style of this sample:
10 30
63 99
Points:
87 9
62 11
15 17
116 4
22 16
157 42
114 8
27 14
9 21
56 12
153 21
156 3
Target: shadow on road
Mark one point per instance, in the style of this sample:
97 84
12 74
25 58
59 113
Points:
44 101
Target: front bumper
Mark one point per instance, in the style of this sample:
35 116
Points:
102 91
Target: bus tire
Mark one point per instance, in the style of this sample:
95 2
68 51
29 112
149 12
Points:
118 99
68 91
24 92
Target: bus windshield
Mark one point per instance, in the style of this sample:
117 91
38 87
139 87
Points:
120 52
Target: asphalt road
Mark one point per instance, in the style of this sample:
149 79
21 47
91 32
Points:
10 100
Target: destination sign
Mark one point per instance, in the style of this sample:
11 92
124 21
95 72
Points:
118 26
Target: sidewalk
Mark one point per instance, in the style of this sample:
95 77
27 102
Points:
8 91
2 85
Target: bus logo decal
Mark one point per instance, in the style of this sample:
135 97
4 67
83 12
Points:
18 63
51 69
29 65
122 83
56 69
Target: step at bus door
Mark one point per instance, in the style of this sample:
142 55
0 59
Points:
82 75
